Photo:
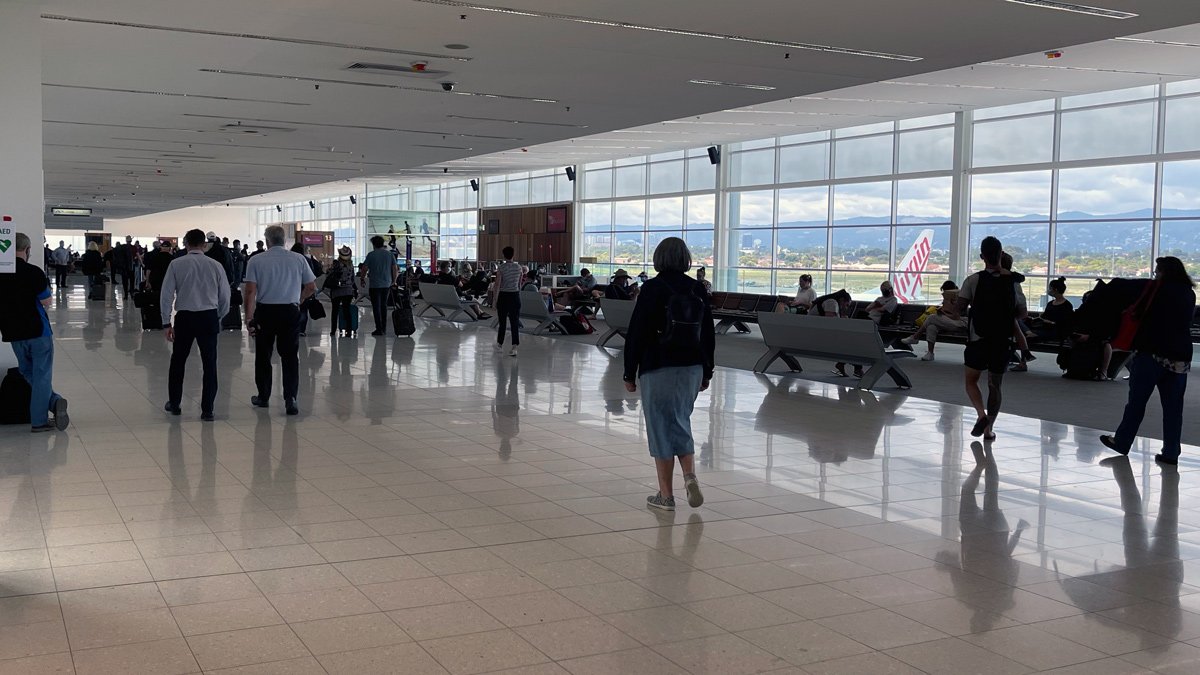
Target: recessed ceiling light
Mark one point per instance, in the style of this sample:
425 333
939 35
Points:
376 85
672 31
455 45
496 119
1078 9
739 85
1168 43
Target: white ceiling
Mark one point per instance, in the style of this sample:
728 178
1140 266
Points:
159 150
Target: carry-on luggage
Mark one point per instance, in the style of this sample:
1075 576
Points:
98 291
348 319
232 320
151 317
1082 360
15 393
402 315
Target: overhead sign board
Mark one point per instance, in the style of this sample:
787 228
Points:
73 212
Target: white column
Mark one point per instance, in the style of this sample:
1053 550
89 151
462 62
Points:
21 129
960 208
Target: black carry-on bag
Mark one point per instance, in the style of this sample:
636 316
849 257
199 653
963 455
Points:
402 314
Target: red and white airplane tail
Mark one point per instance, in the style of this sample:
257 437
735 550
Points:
907 281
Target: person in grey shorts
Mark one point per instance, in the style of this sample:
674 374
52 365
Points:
670 350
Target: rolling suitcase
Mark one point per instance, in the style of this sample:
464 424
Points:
98 292
348 319
402 316
151 317
232 320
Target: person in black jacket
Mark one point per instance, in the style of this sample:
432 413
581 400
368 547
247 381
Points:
1162 357
671 346
92 265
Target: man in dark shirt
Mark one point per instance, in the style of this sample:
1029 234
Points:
122 264
24 296
219 252
157 262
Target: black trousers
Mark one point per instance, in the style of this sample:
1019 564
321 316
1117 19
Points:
508 308
379 298
203 329
60 275
126 279
278 330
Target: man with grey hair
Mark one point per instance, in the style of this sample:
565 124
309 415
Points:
277 281
24 297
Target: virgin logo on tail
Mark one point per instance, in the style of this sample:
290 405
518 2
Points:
907 282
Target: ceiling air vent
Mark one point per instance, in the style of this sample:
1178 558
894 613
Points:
240 128
418 70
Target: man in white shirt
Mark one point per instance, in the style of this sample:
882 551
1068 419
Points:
277 281
883 306
62 264
196 286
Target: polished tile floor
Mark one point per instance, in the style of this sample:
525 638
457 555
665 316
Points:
439 508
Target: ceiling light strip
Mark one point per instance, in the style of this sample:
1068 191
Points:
496 119
1148 41
739 85
235 146
354 126
375 85
1077 9
673 31
171 93
252 36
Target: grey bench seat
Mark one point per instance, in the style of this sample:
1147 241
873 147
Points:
840 340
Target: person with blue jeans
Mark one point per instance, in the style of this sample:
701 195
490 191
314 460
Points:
24 296
1162 357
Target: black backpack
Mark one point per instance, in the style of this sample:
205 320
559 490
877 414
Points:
681 326
15 393
993 306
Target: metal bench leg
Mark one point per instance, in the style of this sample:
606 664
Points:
791 362
766 360
723 326
741 327
898 376
873 374
543 326
612 332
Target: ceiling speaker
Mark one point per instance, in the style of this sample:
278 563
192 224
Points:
714 154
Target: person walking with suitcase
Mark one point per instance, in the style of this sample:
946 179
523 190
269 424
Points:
508 300
277 282
24 297
381 278
196 287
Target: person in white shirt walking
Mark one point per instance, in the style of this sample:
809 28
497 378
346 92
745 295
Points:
508 300
197 288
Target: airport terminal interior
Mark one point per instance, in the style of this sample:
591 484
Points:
442 506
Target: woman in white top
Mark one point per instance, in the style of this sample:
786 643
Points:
884 305
805 297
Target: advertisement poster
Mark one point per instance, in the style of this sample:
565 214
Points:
8 242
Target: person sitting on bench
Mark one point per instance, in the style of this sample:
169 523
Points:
805 297
581 290
947 318
883 309
620 288
837 305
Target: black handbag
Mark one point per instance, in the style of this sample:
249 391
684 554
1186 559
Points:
314 308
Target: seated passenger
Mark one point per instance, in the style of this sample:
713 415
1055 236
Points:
620 288
883 308
445 276
551 305
805 296
581 290
702 277
530 281
1055 321
947 318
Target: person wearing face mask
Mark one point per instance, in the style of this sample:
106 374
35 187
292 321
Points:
883 307
341 286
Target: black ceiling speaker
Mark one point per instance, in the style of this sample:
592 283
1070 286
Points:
474 185
353 200
312 204
570 173
714 154
279 208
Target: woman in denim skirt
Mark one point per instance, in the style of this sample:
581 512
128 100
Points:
670 349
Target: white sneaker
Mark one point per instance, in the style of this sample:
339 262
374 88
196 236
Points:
499 346
928 356
512 352
910 340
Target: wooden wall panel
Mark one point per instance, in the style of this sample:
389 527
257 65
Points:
524 228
